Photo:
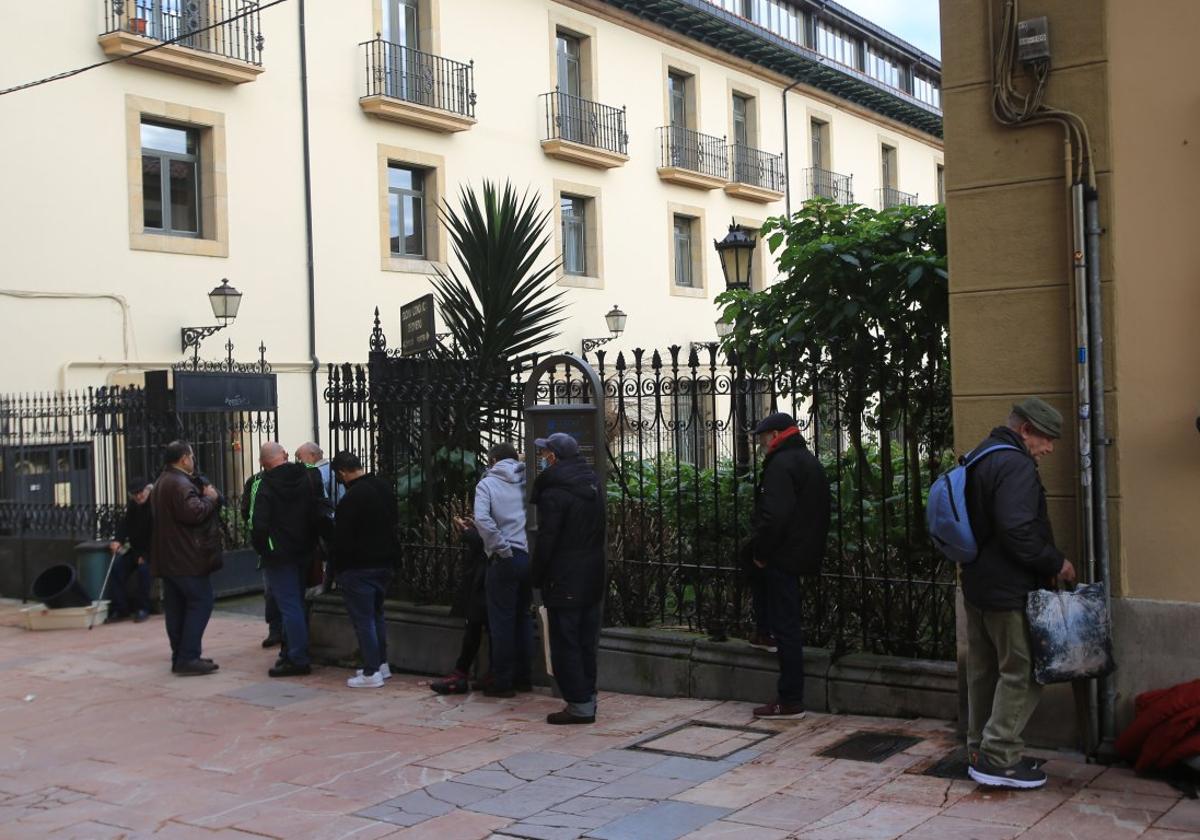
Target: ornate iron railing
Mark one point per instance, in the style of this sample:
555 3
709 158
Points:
401 72
583 121
892 197
682 148
821 183
229 28
748 165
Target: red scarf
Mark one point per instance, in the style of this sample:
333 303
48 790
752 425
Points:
790 432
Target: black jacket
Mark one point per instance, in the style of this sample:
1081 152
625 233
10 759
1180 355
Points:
1006 504
568 558
285 513
470 600
135 528
791 510
364 531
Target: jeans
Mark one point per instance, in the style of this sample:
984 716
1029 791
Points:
363 591
286 582
758 601
783 617
125 565
1001 691
574 639
187 606
508 598
271 610
472 638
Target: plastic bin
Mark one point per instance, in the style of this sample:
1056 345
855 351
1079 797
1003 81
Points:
91 563
58 588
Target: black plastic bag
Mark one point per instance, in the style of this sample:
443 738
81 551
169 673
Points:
1069 634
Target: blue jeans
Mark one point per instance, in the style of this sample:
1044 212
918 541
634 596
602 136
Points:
783 614
285 580
125 565
574 640
363 591
271 610
187 606
758 601
508 598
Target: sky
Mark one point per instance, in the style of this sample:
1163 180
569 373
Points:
916 21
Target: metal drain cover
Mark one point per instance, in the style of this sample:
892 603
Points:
870 746
953 765
700 739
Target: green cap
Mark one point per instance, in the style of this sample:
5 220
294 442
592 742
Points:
1041 415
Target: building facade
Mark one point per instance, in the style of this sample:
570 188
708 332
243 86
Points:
300 151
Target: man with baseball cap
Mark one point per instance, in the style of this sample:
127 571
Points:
1006 504
789 528
568 568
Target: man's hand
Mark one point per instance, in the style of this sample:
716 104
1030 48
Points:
1067 573
114 547
760 563
141 561
210 492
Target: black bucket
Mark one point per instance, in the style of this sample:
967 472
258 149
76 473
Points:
58 587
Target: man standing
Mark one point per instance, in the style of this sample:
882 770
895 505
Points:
271 612
789 526
365 549
283 529
184 550
313 456
500 522
569 570
1006 505
134 531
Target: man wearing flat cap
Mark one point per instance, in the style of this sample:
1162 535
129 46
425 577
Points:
789 528
1006 504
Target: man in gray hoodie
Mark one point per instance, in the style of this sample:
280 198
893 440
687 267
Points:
500 521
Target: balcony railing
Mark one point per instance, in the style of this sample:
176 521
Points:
821 183
228 28
892 197
413 76
683 148
579 120
755 167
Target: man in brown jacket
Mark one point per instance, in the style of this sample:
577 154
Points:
185 550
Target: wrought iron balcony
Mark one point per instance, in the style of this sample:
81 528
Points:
892 197
572 121
418 88
691 158
755 168
217 40
821 183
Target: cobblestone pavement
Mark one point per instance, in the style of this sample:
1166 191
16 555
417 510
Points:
98 740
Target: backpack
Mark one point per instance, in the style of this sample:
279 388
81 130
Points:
946 512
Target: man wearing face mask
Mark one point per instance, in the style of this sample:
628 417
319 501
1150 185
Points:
568 568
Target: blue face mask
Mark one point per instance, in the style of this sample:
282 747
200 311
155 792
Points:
543 463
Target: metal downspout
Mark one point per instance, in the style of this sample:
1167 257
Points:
308 233
787 158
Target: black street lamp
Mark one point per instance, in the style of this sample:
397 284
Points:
736 251
225 300
616 325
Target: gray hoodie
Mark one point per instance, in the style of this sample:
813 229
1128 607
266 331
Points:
500 508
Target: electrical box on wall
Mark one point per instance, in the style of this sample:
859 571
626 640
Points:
1033 40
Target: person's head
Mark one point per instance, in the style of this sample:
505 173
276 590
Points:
309 453
772 426
139 491
1038 424
271 454
502 452
178 454
346 466
557 447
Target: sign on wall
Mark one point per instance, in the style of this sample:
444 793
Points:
417 330
578 421
197 391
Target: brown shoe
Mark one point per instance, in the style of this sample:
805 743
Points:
566 718
780 711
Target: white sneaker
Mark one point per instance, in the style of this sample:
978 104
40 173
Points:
359 681
383 671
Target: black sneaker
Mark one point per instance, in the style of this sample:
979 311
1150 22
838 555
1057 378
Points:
290 669
565 718
273 639
1024 775
195 668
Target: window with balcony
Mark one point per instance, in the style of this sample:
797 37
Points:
406 211
170 179
819 141
836 44
579 129
887 158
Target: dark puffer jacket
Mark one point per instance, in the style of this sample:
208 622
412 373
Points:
185 539
568 558
365 526
791 510
285 513
1006 504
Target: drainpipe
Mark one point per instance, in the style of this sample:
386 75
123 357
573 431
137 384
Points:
787 158
308 233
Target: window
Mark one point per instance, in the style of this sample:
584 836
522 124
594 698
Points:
406 210
888 171
836 44
684 273
677 89
882 68
927 92
741 120
574 234
170 179
819 132
941 184
569 69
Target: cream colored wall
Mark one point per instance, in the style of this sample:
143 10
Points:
86 248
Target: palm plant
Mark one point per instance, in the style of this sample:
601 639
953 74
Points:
505 306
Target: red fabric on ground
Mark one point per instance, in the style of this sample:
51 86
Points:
1161 723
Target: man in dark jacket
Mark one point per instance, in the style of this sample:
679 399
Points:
790 524
365 549
184 550
284 512
568 568
271 614
1006 504
133 532
470 603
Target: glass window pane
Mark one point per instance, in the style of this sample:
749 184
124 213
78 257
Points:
403 179
414 226
152 192
183 194
168 139
394 222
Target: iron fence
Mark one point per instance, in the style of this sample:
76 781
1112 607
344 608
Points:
583 121
683 148
821 183
748 165
421 78
892 197
230 28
